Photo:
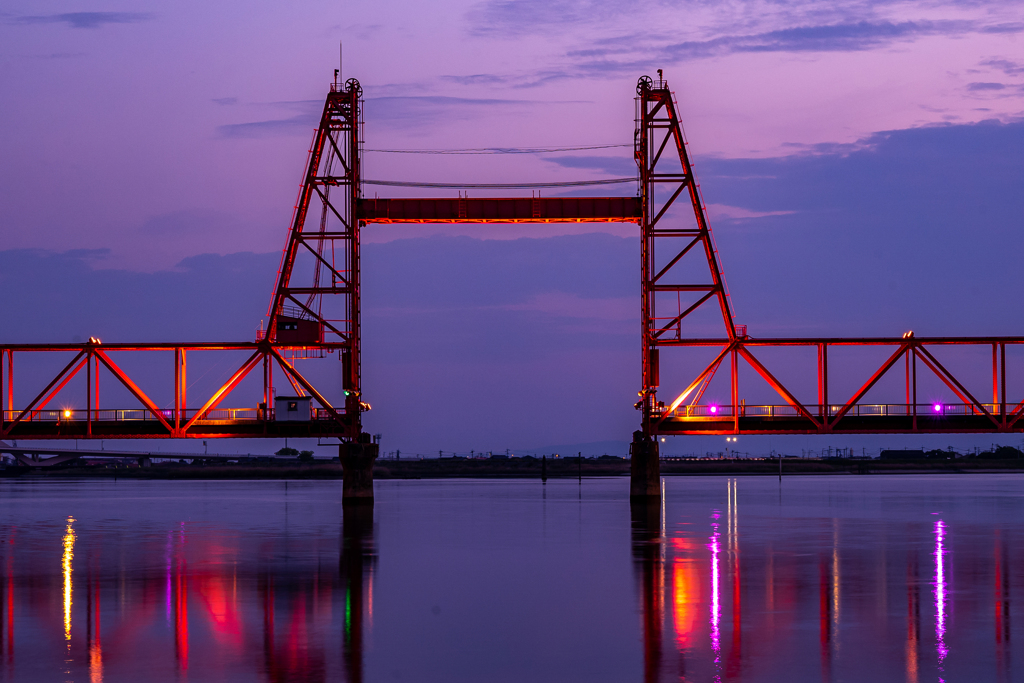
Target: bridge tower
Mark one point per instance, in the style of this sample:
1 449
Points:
675 281
317 296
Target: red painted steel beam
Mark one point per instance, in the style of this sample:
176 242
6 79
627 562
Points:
842 341
502 210
171 346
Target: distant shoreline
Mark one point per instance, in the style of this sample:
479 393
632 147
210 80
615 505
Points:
527 468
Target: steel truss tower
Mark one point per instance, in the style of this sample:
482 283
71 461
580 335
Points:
317 296
672 287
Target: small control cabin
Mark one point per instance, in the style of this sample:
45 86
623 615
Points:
292 409
298 331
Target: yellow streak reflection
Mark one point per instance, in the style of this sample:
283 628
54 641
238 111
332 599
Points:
836 581
69 554
685 592
95 664
911 660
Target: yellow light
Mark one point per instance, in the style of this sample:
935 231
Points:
69 553
67 413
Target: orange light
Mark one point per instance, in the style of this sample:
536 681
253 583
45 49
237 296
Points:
67 413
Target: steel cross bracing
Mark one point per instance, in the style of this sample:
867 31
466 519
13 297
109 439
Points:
316 305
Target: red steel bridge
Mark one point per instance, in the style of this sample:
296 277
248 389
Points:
315 311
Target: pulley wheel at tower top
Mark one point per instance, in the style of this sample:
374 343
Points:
643 84
352 85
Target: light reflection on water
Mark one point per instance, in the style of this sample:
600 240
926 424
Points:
940 595
820 580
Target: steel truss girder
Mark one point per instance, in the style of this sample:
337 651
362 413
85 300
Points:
851 416
177 422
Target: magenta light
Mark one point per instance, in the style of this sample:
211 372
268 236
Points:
937 407
714 409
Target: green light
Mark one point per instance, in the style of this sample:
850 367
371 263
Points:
348 612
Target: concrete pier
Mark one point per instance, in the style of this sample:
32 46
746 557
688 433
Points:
644 468
357 470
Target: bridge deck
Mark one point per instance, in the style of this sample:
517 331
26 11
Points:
139 423
502 210
955 418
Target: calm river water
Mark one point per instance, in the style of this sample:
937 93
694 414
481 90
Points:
846 578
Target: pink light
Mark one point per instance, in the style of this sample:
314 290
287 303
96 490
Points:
937 407
714 409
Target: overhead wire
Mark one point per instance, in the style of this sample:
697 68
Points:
497 150
499 185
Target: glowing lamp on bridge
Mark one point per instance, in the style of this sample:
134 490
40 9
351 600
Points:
937 407
713 408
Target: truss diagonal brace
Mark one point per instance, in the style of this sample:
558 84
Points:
953 383
867 385
693 385
330 206
132 387
46 392
308 387
776 384
226 389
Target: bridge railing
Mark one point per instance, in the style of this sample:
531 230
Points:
712 411
143 414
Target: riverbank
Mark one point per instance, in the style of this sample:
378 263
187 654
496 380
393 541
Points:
524 468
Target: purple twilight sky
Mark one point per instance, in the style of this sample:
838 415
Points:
863 165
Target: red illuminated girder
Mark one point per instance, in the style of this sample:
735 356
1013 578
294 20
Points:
88 419
502 210
903 414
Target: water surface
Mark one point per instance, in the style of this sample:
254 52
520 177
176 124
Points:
844 578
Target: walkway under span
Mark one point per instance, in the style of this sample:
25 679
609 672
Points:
314 315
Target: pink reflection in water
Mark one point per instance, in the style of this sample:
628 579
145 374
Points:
715 618
940 595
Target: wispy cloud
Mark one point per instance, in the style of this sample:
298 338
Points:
850 37
975 87
711 30
259 129
409 111
87 19
1010 68
477 79
225 101
519 17
616 166
423 111
304 120
725 212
